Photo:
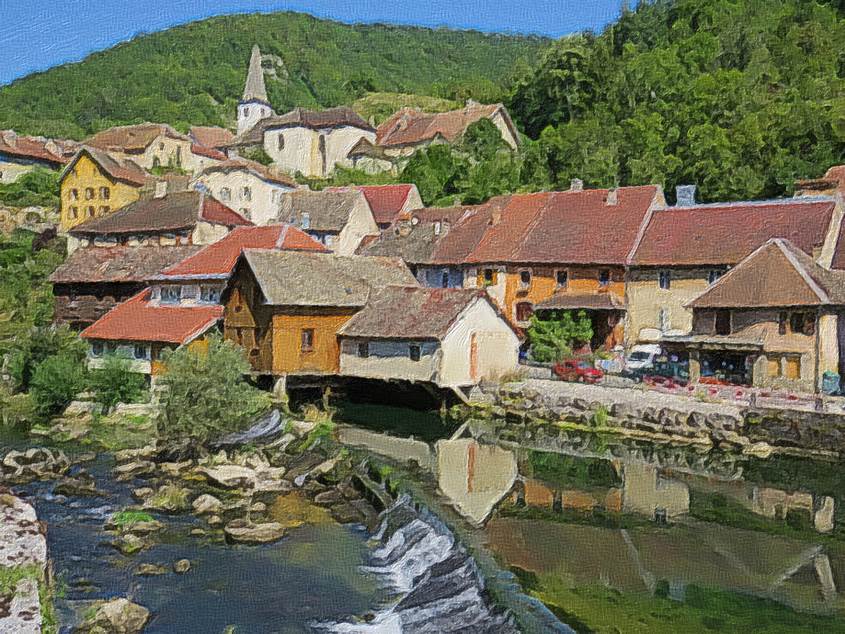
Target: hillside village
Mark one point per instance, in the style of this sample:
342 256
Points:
173 236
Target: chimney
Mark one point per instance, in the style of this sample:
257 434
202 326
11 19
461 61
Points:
10 138
613 197
495 217
161 189
576 185
685 195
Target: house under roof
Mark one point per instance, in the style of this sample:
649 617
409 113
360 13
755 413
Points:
296 278
218 260
411 313
386 201
211 136
777 274
258 170
119 169
171 212
38 149
300 118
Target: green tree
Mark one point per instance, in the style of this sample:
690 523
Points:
553 337
38 188
115 382
435 171
206 394
56 381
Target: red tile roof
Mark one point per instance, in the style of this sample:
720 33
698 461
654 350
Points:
386 201
409 126
138 319
218 259
211 136
201 150
723 234
32 148
573 227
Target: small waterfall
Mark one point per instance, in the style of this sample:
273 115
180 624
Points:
437 585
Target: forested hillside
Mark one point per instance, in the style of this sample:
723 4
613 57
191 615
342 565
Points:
738 96
194 74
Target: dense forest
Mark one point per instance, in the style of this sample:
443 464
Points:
194 74
740 97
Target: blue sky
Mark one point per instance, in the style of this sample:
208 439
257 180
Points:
38 34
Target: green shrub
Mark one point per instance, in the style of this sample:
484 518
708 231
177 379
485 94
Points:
17 410
553 337
115 382
40 187
55 381
206 394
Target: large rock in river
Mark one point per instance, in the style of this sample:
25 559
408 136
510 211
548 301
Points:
240 531
118 616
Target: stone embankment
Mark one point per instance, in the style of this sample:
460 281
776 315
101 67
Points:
656 416
23 565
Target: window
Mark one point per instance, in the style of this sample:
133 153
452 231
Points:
305 220
307 340
562 278
281 141
89 211
89 193
793 368
723 322
664 279
141 352
74 194
246 112
802 323
414 352
713 275
773 366
664 320
210 294
276 195
524 278
156 162
225 194
437 228
104 209
329 241
74 212
604 277
97 349
782 323
444 279
105 193
170 294
488 277
524 310
364 350
247 193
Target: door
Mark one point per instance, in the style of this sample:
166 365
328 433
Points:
473 357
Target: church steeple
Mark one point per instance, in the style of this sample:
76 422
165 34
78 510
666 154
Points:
254 105
254 90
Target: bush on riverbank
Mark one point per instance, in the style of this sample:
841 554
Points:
115 382
55 381
205 393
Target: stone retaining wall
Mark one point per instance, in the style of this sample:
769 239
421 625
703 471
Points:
23 546
660 416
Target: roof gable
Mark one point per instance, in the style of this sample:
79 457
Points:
775 275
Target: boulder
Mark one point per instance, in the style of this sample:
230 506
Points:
328 498
181 566
132 470
240 531
80 486
302 427
175 469
128 455
118 616
758 450
33 464
81 409
207 504
150 570
169 498
229 476
129 544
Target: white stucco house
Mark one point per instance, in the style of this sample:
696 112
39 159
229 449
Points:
251 189
447 337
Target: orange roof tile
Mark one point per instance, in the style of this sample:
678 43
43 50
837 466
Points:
138 319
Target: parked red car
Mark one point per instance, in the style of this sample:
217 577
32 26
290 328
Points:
579 370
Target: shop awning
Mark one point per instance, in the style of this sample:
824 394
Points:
585 301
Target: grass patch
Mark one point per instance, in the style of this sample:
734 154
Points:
9 579
119 432
598 608
127 519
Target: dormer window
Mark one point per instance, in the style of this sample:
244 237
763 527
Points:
305 220
210 294
225 194
170 294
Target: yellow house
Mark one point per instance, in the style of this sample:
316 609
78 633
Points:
285 307
95 184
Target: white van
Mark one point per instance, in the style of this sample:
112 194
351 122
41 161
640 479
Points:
642 356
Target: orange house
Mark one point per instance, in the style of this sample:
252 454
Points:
558 251
285 308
